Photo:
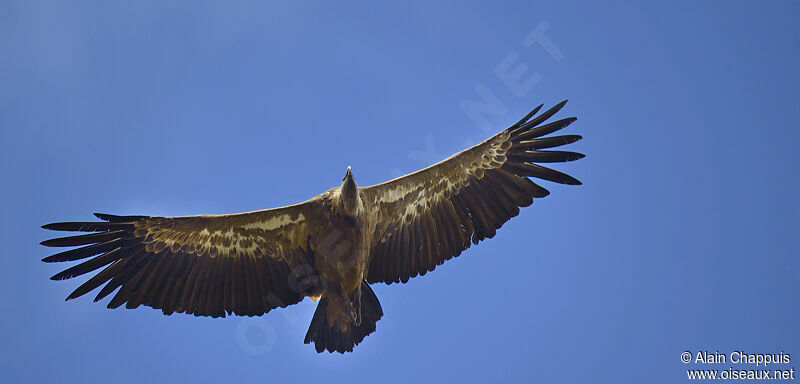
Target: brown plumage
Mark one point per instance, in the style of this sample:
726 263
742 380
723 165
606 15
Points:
332 246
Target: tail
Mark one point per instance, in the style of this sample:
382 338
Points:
325 337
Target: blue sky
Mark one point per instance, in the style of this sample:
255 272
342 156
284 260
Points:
683 236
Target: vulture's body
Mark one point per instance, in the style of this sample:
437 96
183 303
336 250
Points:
332 246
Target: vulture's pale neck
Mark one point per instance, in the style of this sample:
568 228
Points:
348 195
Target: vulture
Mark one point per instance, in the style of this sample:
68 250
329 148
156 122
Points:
330 248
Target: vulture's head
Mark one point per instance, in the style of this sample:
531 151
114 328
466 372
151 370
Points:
349 193
349 187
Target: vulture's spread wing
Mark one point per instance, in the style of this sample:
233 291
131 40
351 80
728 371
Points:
432 215
202 265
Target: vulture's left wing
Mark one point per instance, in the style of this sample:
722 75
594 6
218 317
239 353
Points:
203 265
428 217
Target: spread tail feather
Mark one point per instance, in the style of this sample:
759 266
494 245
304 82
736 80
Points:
332 339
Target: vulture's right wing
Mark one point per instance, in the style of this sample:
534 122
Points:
245 264
430 216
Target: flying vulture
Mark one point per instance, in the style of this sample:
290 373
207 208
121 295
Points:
330 248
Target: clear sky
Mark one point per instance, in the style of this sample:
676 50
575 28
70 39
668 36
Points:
683 236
